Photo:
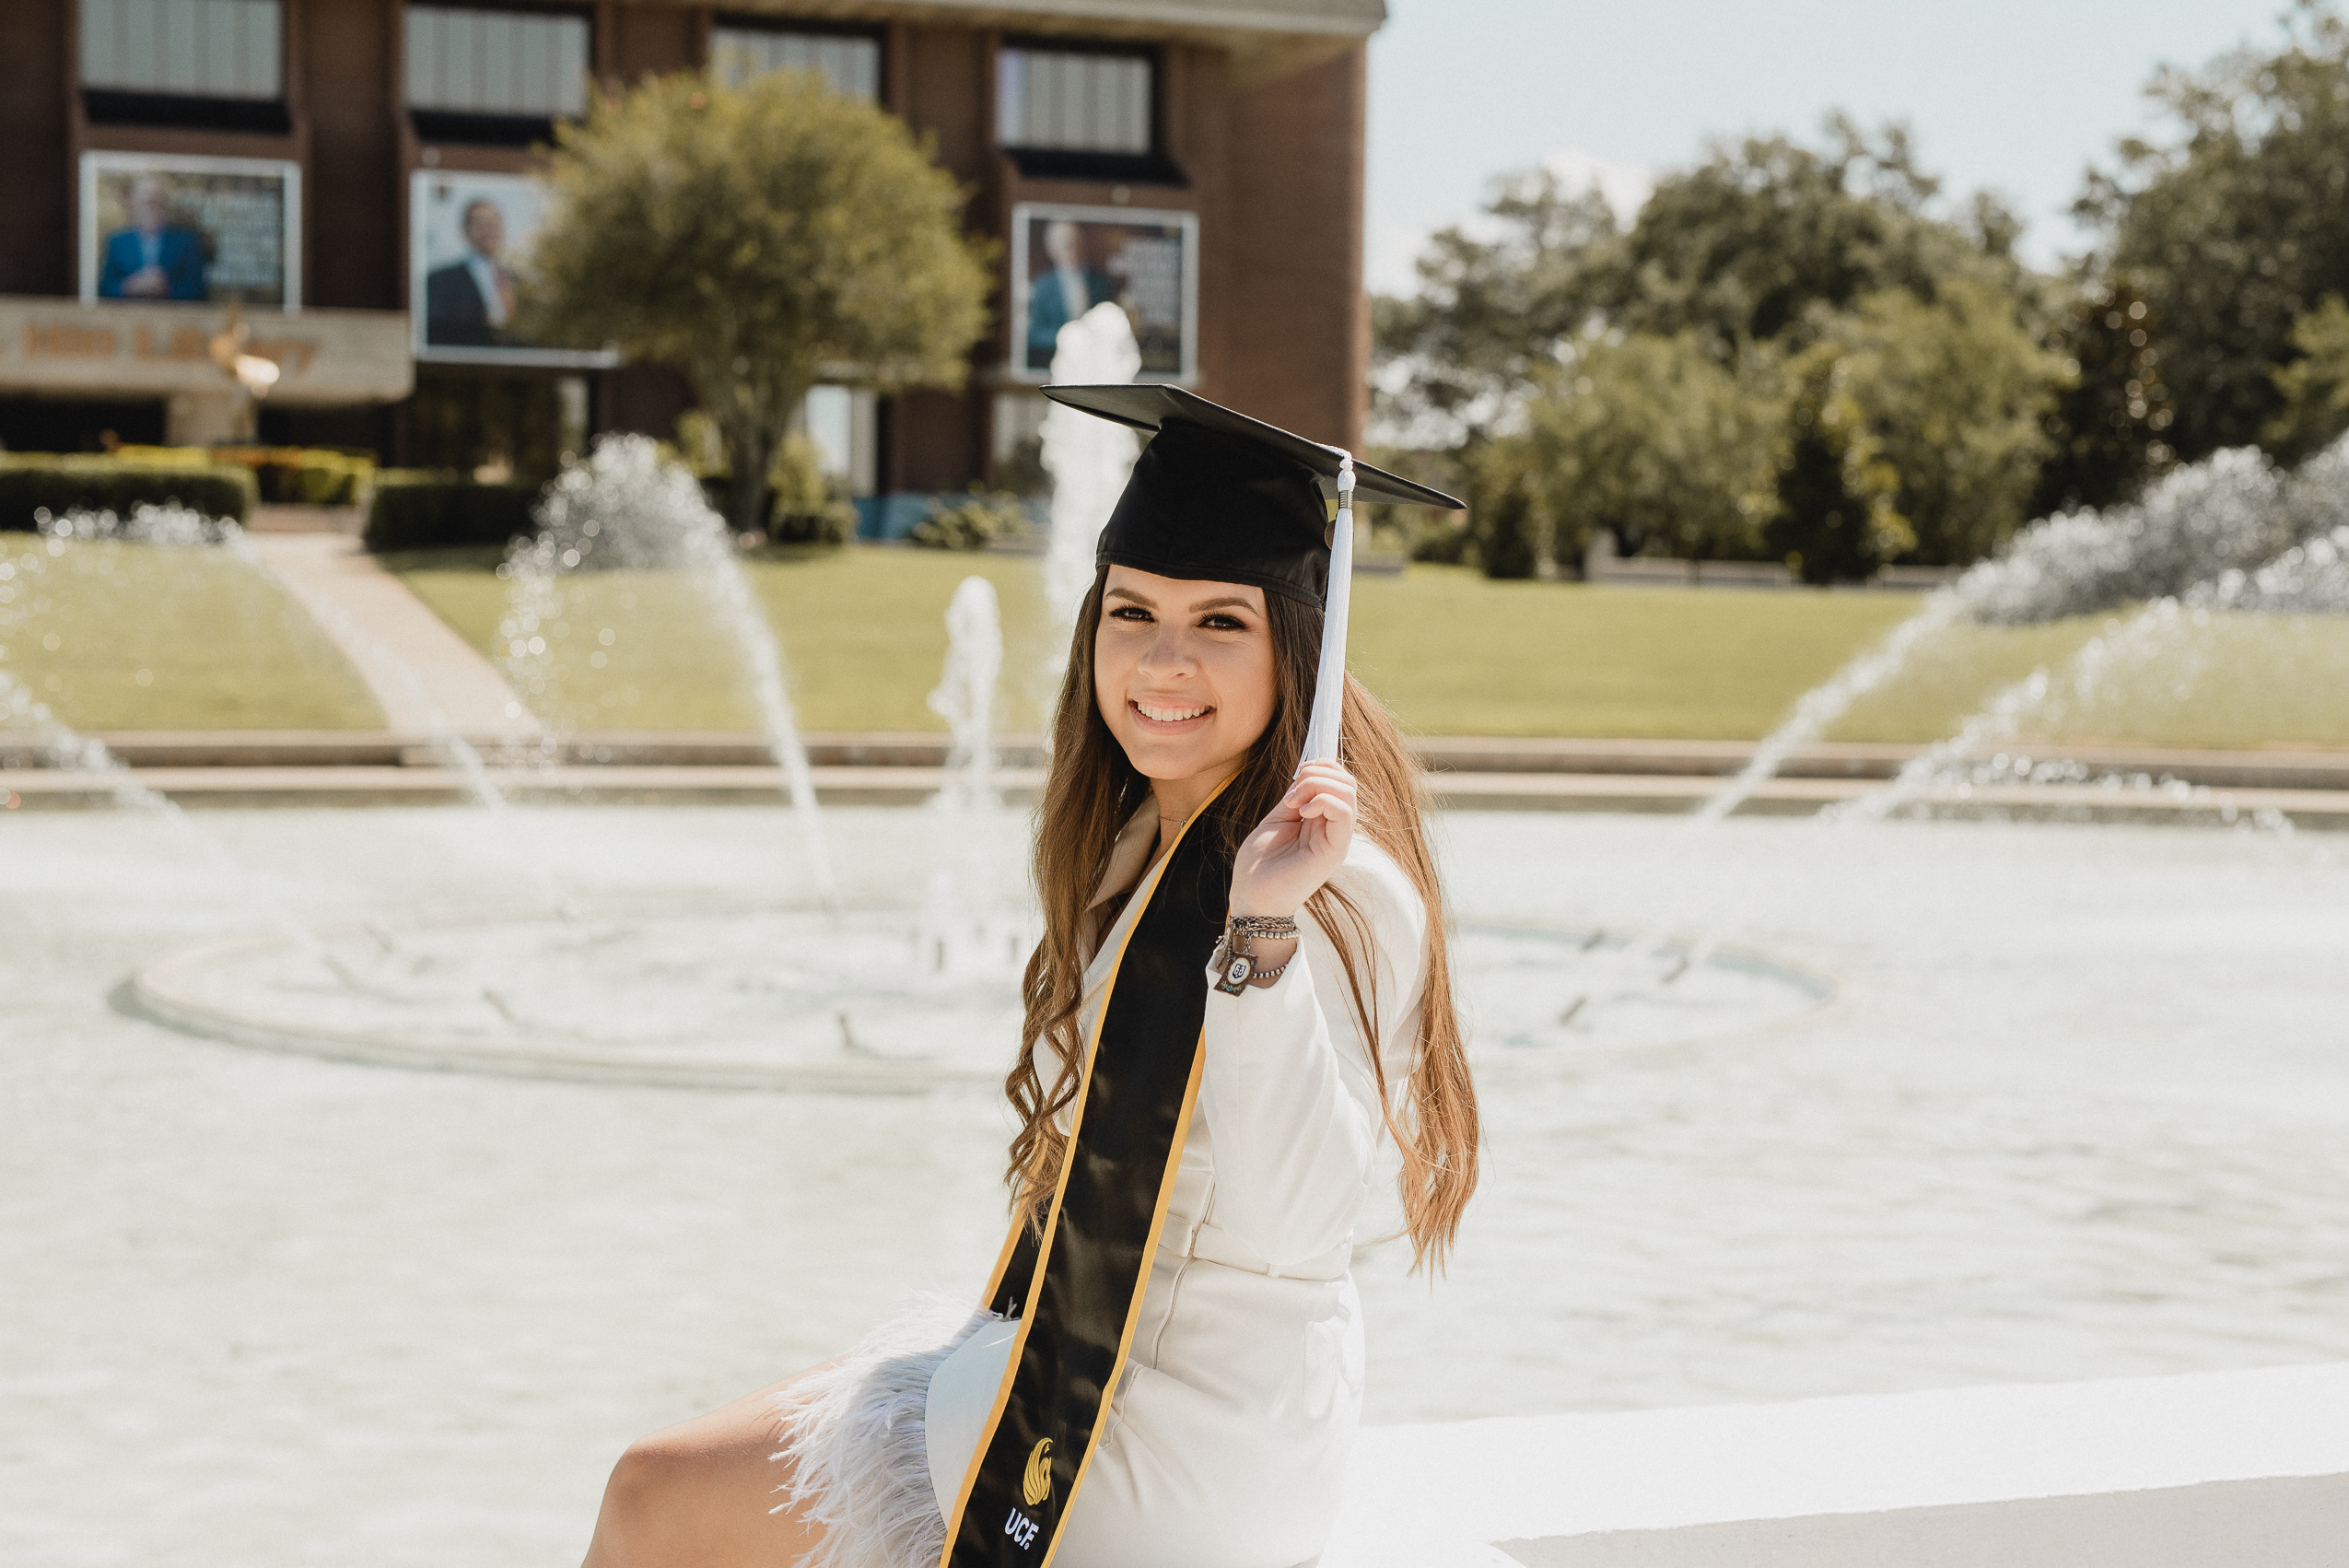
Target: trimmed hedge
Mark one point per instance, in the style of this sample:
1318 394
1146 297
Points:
57 486
428 512
972 522
312 476
796 517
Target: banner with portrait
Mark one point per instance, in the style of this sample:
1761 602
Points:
1066 260
162 227
468 237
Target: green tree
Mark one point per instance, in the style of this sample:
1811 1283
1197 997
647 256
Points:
1656 440
2104 427
2240 226
1836 517
1732 270
754 237
1752 243
2314 388
1504 525
1492 306
1953 393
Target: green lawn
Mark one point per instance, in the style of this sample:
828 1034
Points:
1457 654
1454 653
863 634
146 637
220 646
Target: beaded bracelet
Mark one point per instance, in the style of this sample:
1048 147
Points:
1234 961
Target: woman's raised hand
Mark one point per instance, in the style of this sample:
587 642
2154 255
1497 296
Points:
1298 844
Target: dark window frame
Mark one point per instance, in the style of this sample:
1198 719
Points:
1150 167
195 111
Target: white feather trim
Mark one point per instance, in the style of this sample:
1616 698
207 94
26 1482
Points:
855 1434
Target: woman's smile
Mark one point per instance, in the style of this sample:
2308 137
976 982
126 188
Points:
1168 718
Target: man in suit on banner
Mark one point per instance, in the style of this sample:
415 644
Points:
153 259
468 302
1060 296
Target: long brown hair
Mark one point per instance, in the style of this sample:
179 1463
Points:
1090 793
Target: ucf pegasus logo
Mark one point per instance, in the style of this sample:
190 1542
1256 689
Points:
1036 1484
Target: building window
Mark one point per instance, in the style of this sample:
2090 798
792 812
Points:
218 65
1067 100
850 61
840 421
512 65
184 48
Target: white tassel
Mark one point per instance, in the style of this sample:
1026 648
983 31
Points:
1329 683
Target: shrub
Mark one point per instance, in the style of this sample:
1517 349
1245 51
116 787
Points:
1441 538
416 510
972 524
57 486
1507 532
833 523
313 477
810 507
806 506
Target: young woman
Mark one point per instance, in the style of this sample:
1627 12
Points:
1240 992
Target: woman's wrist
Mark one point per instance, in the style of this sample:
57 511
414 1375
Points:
1245 905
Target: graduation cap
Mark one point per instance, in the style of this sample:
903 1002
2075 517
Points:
1222 498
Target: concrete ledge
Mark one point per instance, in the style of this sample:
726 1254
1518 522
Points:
2168 1472
2271 770
356 786
415 781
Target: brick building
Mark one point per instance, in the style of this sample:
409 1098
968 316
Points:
327 163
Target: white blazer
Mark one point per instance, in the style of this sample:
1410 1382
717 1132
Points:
1228 1434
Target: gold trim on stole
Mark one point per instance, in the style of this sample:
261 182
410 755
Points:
1052 1224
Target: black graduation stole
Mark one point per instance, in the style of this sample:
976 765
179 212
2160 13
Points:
1078 1289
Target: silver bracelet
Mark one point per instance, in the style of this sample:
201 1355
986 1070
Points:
1234 961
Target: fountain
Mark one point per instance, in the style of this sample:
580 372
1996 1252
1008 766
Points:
746 990
973 923
2202 535
65 748
746 993
1089 459
2229 534
625 507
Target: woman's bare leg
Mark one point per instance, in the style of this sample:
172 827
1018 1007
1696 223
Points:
697 1495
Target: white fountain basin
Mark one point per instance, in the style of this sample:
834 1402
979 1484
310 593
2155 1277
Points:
733 997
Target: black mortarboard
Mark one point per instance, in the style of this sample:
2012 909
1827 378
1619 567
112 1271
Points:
1219 496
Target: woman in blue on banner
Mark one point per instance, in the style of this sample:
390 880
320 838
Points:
1241 994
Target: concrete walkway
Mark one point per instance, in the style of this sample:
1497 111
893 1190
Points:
426 679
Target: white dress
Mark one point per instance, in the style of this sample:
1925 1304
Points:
1228 1434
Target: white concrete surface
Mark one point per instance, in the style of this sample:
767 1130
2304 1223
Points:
2082 1114
423 675
2172 1472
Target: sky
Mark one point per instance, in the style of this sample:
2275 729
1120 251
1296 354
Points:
2016 98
